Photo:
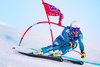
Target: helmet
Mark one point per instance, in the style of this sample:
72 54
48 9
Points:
75 24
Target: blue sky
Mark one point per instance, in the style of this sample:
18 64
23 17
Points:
23 13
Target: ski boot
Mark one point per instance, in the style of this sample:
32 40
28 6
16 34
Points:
39 52
57 53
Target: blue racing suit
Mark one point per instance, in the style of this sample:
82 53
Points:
61 43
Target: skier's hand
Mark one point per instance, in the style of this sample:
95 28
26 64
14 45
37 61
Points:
82 54
71 44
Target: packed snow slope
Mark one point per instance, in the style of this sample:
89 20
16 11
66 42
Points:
10 37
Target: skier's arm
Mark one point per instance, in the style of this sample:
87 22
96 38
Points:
81 45
80 40
65 34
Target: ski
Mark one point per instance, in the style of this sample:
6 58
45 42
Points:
50 57
73 61
43 56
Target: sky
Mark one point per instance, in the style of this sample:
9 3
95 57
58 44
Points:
23 13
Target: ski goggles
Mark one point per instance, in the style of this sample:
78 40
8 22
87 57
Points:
76 29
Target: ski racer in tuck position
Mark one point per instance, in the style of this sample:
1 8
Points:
65 42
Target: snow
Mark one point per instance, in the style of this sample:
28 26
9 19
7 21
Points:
10 37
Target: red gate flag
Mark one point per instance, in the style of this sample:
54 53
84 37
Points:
53 11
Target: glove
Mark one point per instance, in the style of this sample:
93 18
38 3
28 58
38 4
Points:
71 44
82 54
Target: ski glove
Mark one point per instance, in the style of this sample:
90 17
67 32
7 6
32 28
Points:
71 44
82 54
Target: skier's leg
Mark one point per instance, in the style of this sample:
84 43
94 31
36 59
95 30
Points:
46 49
67 48
49 48
55 46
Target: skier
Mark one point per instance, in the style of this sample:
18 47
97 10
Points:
65 42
